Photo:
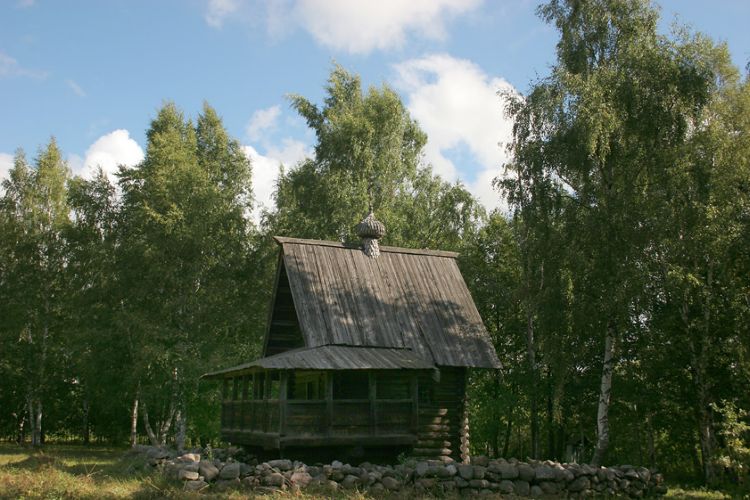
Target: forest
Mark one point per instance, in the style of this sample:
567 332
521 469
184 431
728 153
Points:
615 282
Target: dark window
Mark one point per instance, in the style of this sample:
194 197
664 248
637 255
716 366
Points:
393 385
307 385
351 385
236 388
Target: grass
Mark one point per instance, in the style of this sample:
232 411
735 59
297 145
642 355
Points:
77 472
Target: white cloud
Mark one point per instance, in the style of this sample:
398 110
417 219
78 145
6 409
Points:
218 10
23 4
77 90
9 67
458 106
360 27
354 26
266 170
107 152
262 121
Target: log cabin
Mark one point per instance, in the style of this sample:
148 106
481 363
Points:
367 348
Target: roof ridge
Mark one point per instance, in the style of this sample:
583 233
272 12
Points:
389 249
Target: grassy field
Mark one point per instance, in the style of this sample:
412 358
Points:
72 472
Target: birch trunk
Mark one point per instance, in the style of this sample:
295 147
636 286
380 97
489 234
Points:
38 423
605 393
134 423
147 425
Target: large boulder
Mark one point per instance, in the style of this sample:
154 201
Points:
230 471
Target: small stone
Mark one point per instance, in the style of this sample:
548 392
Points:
536 492
195 485
377 487
230 471
187 475
301 479
447 471
336 464
549 488
580 484
466 471
350 482
282 464
479 483
480 460
479 471
425 483
189 457
545 473
526 473
273 479
391 483
508 471
245 469
422 468
564 475
521 488
460 482
506 487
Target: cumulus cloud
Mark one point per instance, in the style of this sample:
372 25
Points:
457 105
262 121
9 67
266 170
354 26
77 90
360 27
107 152
218 10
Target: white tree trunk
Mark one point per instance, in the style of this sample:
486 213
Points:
147 425
605 392
134 423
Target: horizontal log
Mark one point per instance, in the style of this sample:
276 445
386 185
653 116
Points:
348 440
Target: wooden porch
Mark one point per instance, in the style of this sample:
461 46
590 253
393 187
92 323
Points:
277 409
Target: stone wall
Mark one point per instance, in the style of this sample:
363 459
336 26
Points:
231 469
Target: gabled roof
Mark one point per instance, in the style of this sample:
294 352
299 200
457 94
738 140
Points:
334 357
404 299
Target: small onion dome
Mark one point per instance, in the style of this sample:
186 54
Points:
370 230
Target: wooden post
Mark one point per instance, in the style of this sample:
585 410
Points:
372 397
329 403
414 387
283 377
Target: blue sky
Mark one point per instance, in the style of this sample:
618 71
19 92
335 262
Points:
93 73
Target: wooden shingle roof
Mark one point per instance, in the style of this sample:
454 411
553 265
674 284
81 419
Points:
404 299
334 357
